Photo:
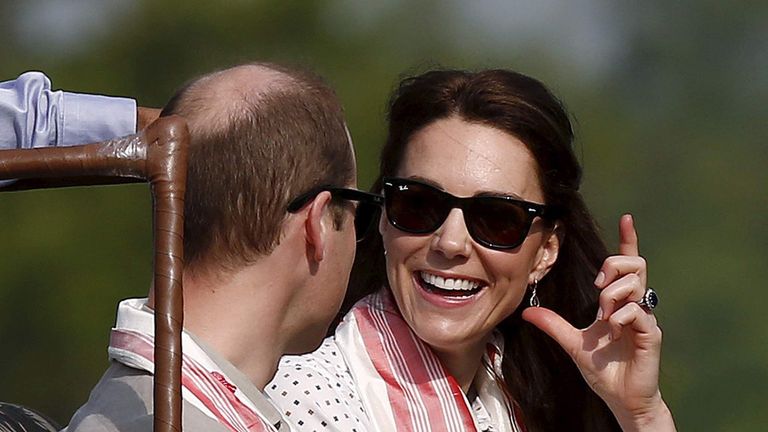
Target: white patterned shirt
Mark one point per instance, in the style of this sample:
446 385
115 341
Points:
316 392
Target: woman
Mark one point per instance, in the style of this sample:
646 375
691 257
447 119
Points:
483 218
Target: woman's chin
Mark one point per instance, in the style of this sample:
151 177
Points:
447 335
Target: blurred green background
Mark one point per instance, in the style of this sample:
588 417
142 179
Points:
669 100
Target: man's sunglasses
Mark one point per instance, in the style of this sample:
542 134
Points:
367 207
494 221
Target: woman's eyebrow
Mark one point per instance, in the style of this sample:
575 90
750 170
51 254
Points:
487 192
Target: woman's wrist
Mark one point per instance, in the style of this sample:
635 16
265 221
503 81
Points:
657 418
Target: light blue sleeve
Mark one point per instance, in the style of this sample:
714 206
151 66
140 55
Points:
32 115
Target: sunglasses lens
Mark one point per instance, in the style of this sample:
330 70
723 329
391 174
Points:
414 207
497 222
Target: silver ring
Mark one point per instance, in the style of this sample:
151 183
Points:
650 299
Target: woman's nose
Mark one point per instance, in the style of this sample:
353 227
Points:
452 238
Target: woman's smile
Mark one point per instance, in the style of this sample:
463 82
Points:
448 290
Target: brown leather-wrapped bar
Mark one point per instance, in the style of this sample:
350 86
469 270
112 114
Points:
157 155
167 173
120 157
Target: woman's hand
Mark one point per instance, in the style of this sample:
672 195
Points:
618 354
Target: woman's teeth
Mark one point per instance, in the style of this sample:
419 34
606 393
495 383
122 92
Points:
450 286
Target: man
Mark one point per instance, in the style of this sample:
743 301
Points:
260 281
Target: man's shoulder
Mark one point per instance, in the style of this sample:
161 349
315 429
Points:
122 401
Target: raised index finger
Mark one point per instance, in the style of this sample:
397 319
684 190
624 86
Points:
628 236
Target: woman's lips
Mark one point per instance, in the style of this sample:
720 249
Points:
446 291
450 285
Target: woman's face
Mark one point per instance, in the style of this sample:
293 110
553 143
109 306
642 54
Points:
465 159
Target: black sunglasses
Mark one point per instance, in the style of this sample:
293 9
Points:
494 221
368 205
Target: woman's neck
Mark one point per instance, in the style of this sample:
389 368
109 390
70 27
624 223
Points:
462 364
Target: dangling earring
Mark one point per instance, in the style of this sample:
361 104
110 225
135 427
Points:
534 301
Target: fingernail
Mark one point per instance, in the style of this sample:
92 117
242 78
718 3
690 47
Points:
600 279
599 314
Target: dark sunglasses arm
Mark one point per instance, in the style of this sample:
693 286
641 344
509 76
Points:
302 200
550 212
349 194
357 195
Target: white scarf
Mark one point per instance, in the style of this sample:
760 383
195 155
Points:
403 385
204 384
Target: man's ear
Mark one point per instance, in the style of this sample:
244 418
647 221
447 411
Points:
548 252
317 225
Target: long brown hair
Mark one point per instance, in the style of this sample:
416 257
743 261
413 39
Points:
539 375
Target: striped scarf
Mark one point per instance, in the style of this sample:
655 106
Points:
402 383
204 385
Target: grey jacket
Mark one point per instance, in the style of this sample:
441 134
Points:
122 401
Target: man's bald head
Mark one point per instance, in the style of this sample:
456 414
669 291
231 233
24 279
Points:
261 135
211 101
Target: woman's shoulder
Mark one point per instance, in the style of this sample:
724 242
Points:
326 358
316 390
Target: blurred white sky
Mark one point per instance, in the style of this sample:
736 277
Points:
61 27
584 35
586 39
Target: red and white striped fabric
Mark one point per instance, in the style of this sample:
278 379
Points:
203 384
402 383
